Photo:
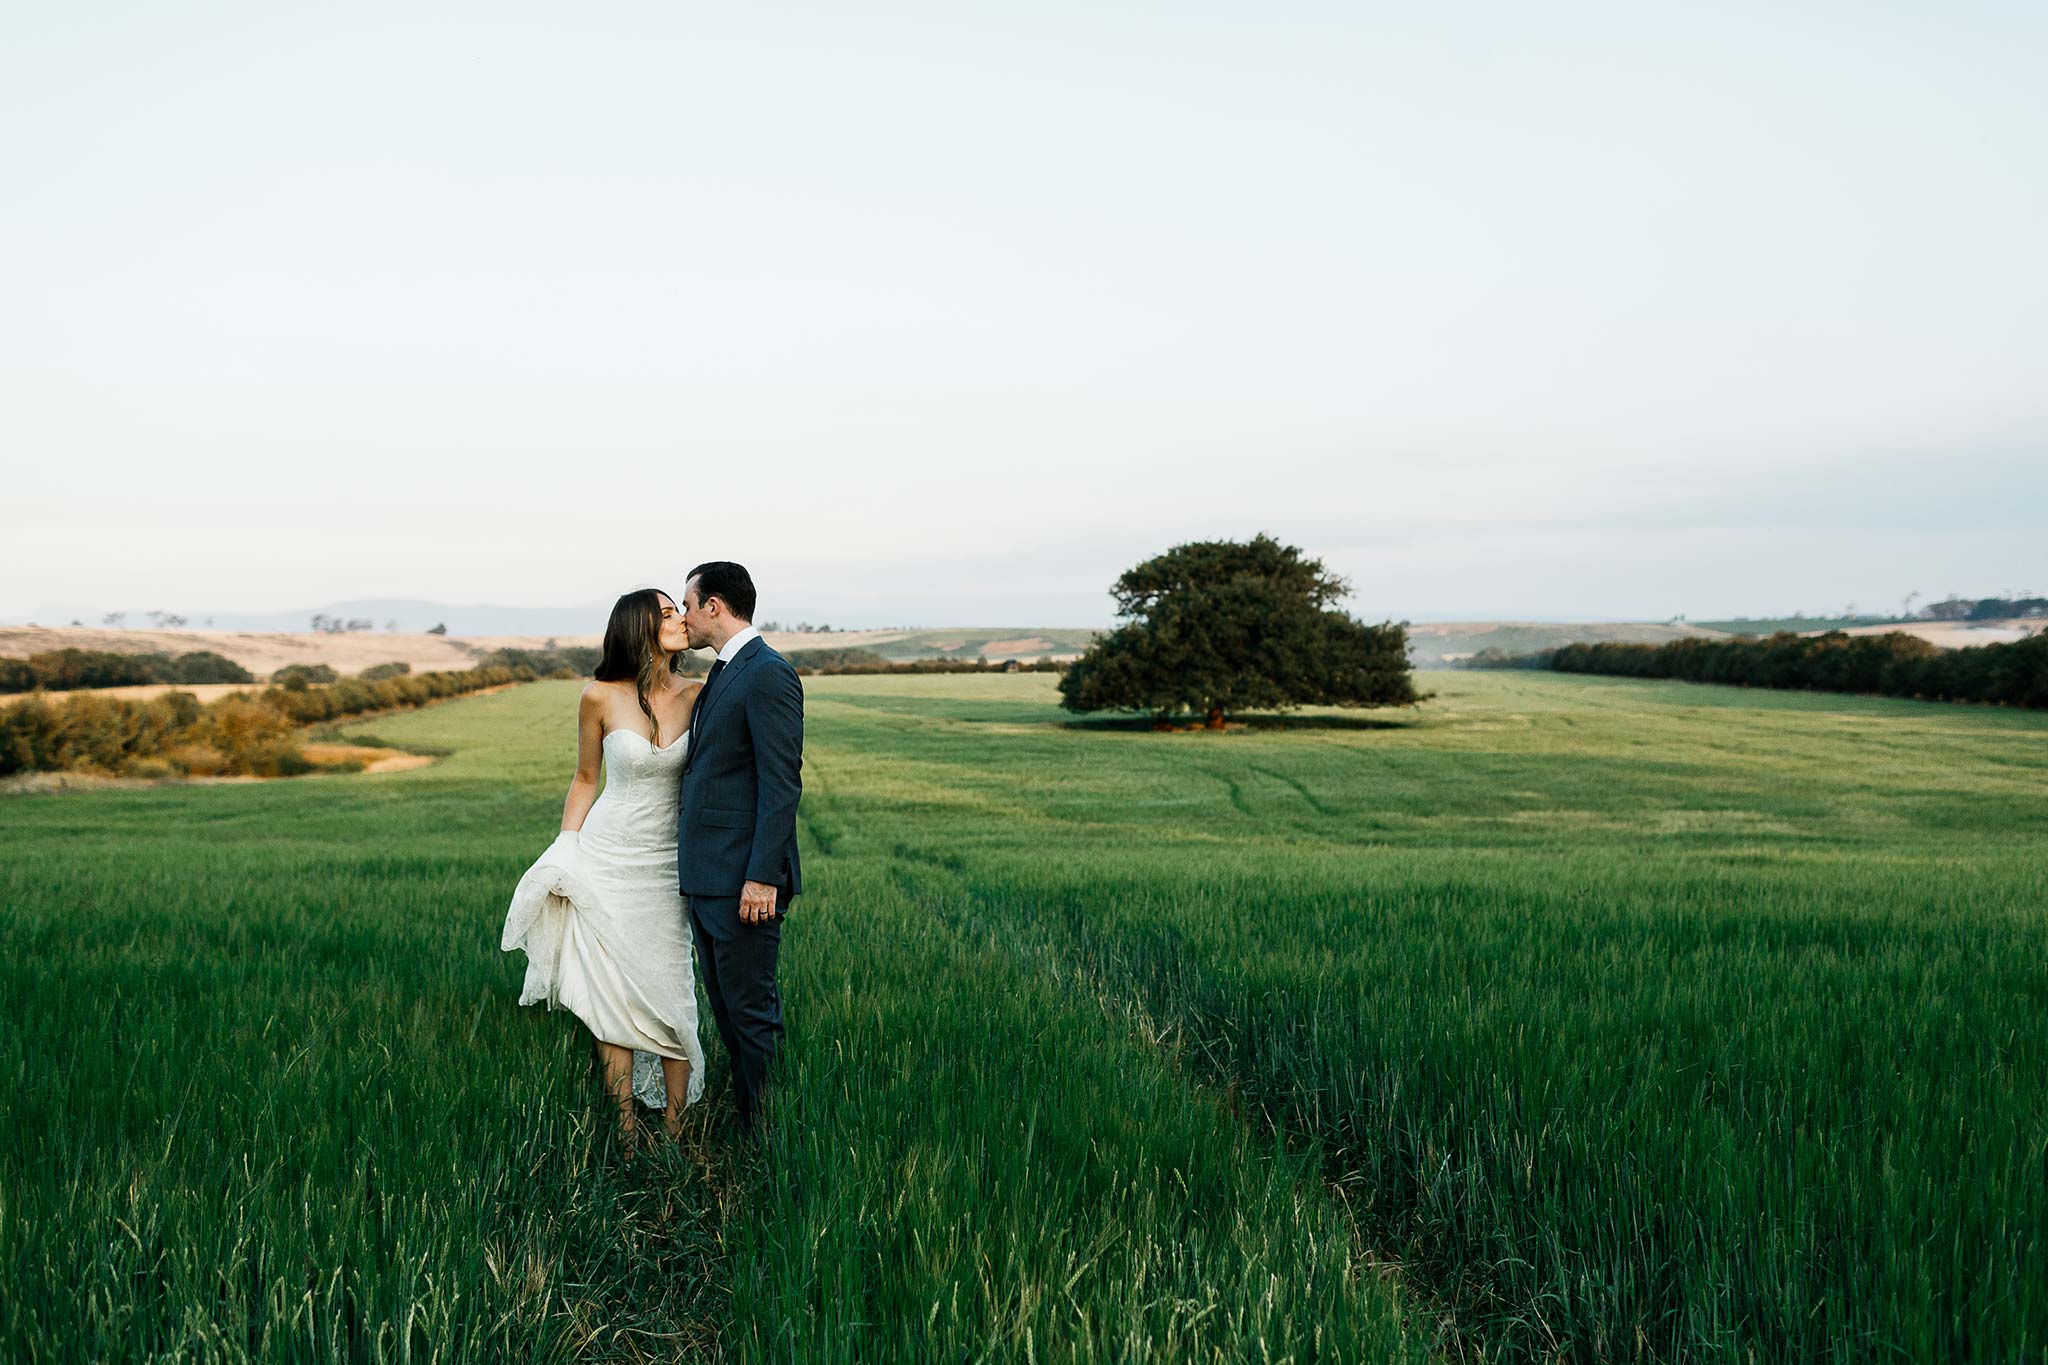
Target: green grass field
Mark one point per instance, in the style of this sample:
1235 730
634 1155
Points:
1562 1017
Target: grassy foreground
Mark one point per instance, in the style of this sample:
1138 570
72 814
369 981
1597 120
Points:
1628 1020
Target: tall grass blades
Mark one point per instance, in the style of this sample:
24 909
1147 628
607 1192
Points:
1637 1022
1562 1018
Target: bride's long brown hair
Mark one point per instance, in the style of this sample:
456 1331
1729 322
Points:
632 648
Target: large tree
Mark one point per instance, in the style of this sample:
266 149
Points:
1219 625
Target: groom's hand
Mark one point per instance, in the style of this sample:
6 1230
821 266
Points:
757 903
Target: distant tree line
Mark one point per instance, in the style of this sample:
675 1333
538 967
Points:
553 661
1950 608
564 661
837 661
63 670
242 733
324 624
353 696
580 661
298 677
1894 664
1493 656
163 620
800 628
1988 608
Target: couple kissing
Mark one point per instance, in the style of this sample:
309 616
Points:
685 863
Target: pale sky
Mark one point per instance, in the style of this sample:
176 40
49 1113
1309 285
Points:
1573 310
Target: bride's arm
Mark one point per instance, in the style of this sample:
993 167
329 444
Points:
589 746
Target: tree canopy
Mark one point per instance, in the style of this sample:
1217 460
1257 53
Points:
1217 626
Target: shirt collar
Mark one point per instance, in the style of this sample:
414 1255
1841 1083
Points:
736 644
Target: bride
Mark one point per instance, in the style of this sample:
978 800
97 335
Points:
599 915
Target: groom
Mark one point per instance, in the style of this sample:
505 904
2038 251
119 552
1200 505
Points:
736 828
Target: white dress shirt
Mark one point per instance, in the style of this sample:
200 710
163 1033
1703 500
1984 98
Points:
736 644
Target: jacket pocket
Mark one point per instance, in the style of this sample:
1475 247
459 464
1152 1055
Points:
726 819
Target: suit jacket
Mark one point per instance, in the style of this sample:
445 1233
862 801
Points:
736 819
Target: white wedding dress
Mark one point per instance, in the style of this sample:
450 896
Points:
602 923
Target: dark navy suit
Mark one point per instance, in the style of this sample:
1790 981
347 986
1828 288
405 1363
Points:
736 823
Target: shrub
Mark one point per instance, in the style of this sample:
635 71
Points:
246 731
379 672
835 660
303 675
1493 656
27 737
94 734
274 758
237 734
206 666
351 695
60 670
568 661
63 670
199 760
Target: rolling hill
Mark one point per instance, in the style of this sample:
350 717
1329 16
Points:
264 651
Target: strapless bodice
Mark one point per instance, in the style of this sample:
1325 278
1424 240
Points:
635 816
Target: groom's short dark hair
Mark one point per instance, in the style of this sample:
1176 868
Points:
723 578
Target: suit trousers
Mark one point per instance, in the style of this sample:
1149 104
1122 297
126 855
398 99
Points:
738 962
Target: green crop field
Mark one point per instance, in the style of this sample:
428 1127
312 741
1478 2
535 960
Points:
1560 1017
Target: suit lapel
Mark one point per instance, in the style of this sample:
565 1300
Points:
708 704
